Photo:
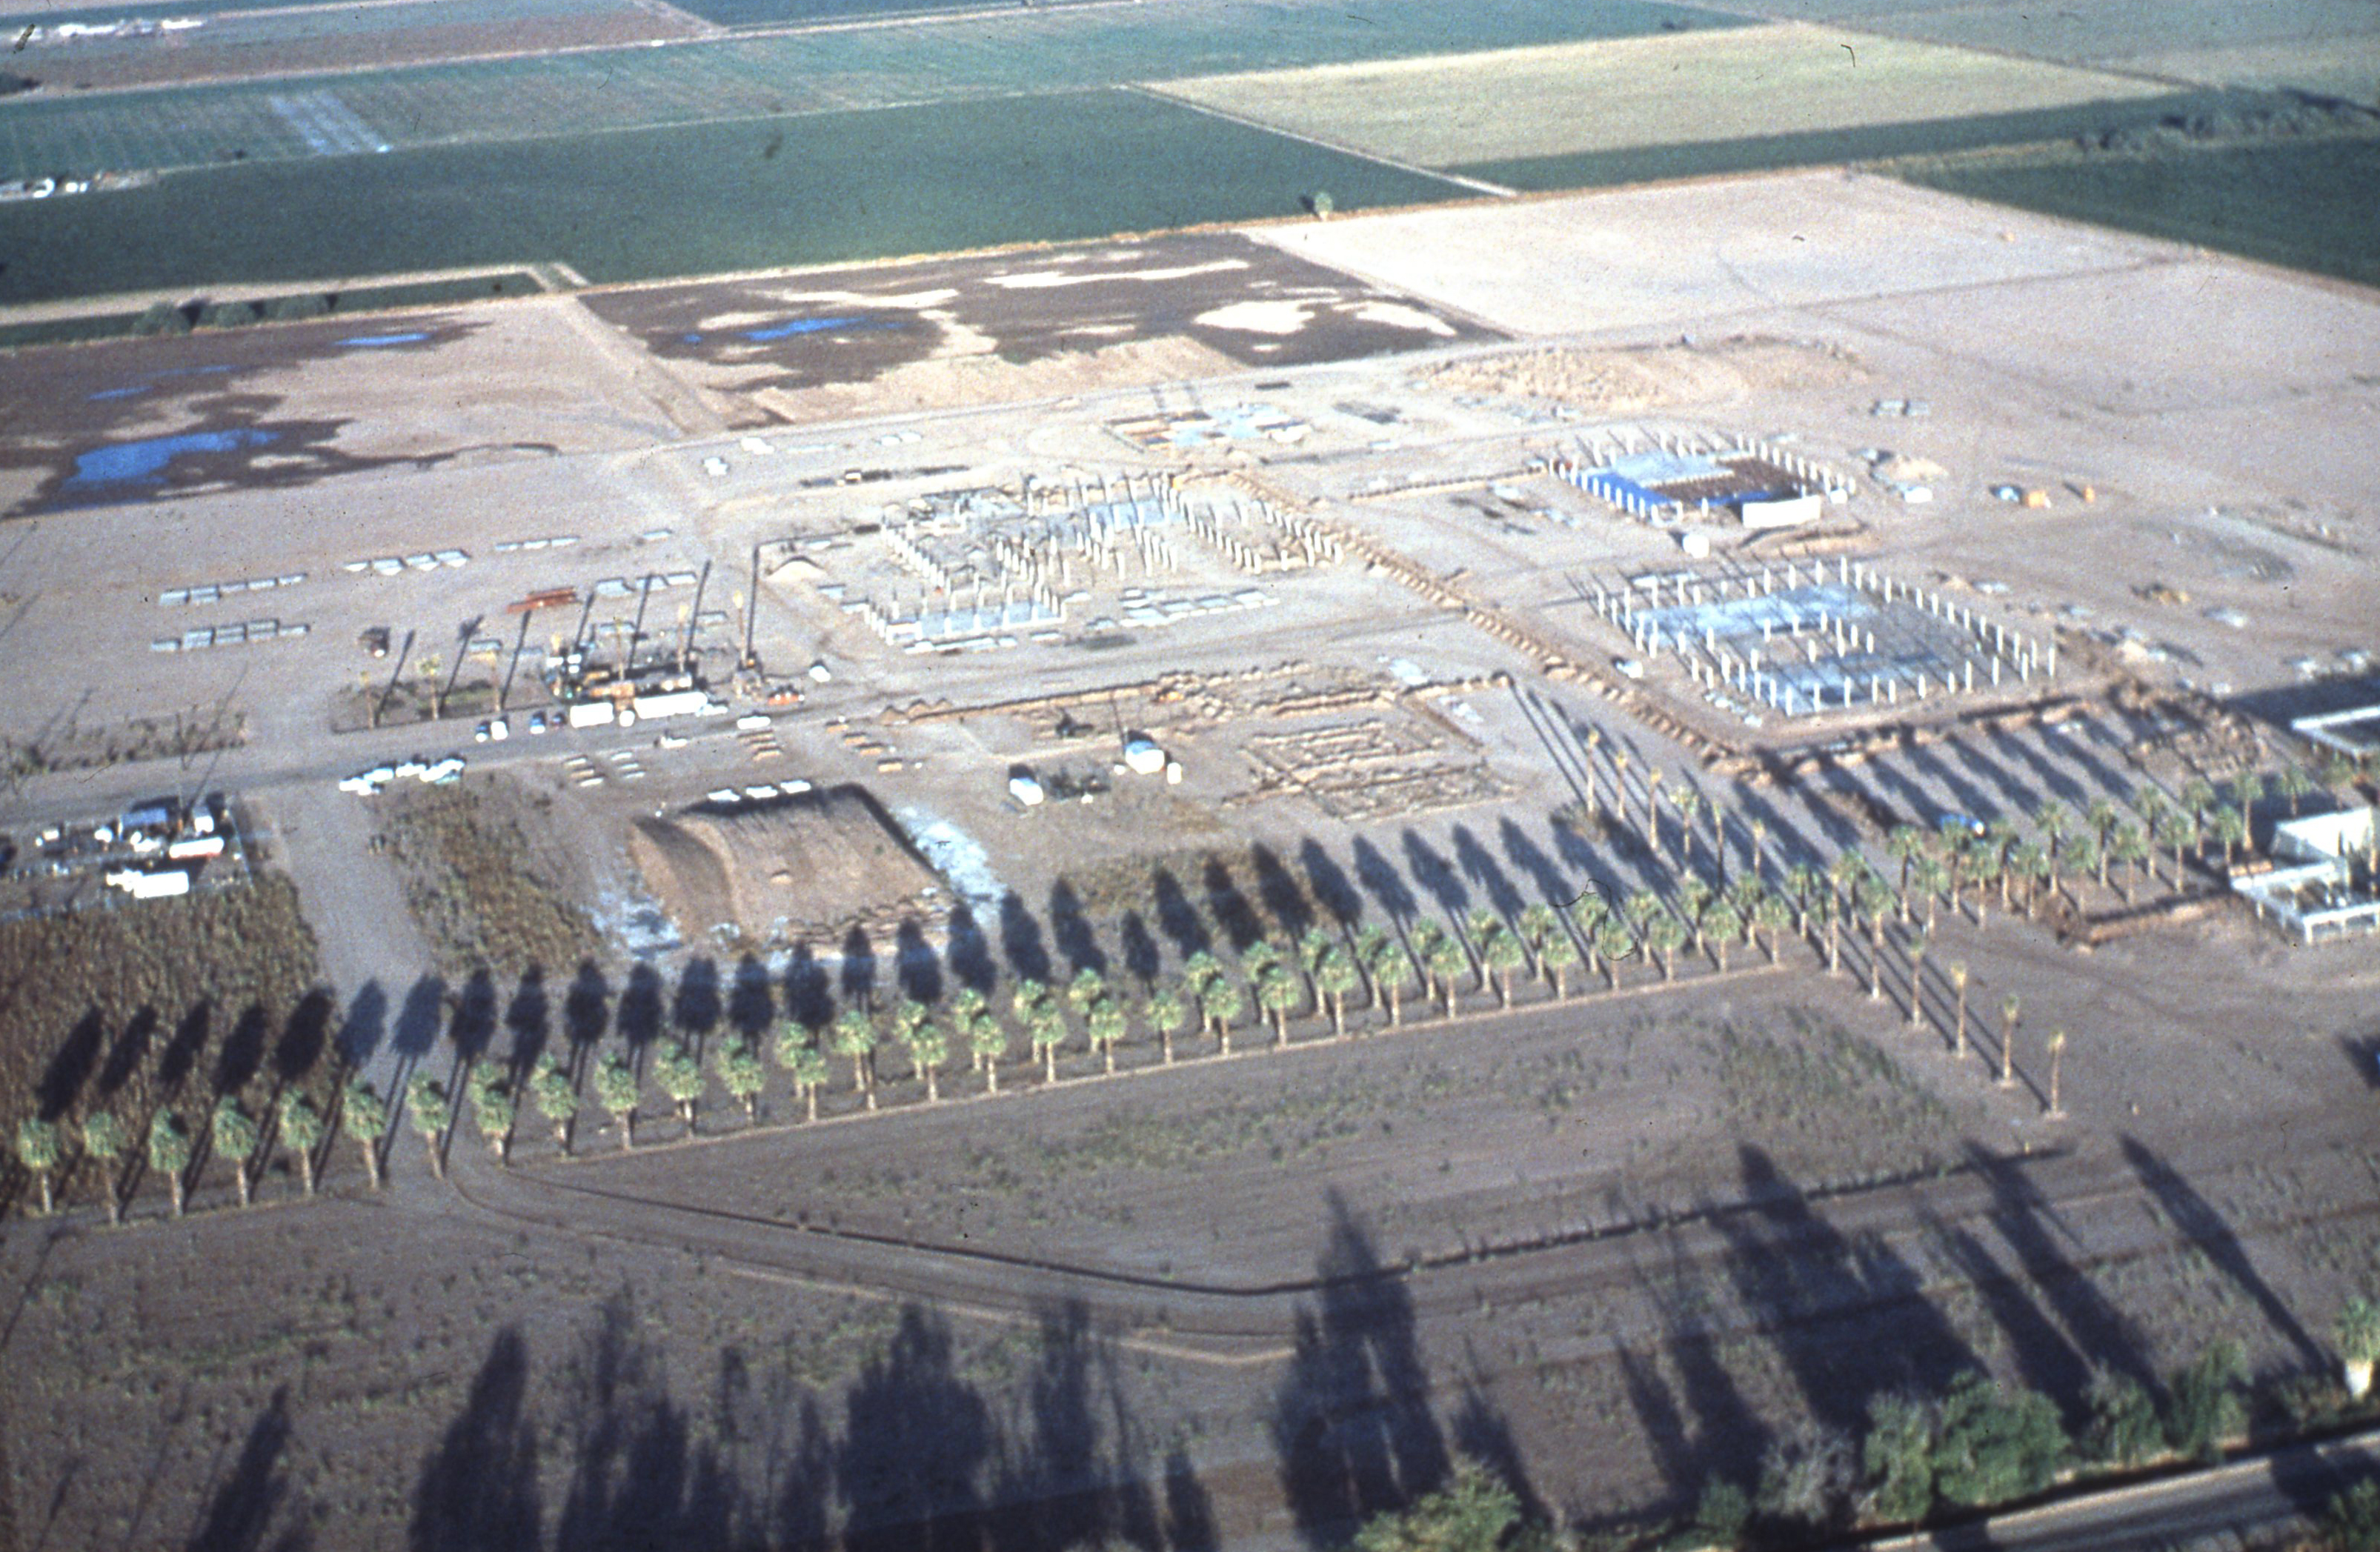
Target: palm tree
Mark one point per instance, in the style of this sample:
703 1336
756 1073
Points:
681 1078
2230 829
1931 878
1224 1003
2337 775
903 1019
234 1136
1085 992
1958 985
1045 1030
2055 821
2001 838
1771 916
1539 924
1442 960
986 1042
1665 934
742 1075
853 1037
103 1139
1830 915
2197 798
1613 944
1802 884
1316 946
2083 856
1724 925
2178 830
1917 951
792 1040
556 1098
1589 912
2247 791
1693 895
38 1149
1688 803
1559 956
169 1155
2129 846
1481 922
1500 950
1365 948
1874 898
616 1091
1907 843
2295 785
2101 816
967 1005
2009 1007
1167 1013
2055 1110
1277 993
302 1129
808 1072
1105 1025
496 1114
1200 975
1389 966
364 1116
432 672
432 1112
1335 976
929 1049
1652 807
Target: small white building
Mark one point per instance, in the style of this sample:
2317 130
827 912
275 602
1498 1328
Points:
2310 888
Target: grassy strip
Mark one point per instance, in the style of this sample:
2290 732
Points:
697 199
298 308
1650 164
2306 205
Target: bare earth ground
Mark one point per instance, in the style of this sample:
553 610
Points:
670 1362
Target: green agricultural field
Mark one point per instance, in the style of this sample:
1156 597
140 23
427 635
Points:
2306 203
698 200
1035 49
1522 106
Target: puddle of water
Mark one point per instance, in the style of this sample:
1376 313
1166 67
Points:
133 392
956 857
144 462
379 342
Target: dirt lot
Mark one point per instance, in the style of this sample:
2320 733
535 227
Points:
293 404
827 343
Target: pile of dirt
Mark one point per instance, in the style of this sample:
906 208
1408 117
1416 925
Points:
957 381
812 866
1614 381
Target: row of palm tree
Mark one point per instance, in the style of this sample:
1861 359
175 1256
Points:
174 1150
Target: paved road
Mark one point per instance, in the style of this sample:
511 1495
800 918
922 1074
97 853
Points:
2246 1496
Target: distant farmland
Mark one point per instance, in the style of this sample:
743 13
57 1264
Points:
1015 52
2305 203
692 201
1521 106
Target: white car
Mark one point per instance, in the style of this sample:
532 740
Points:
499 730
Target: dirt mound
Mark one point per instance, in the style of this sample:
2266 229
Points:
809 867
959 380
1614 381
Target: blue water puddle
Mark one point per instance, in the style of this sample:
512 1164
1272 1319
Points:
381 342
137 389
795 327
144 462
198 372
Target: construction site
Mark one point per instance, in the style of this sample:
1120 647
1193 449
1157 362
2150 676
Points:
1713 921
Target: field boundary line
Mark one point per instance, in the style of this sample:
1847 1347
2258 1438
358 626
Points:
1477 185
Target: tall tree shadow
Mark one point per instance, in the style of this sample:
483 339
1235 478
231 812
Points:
1285 901
528 1018
241 1055
131 1048
1176 918
1230 908
1530 858
638 1015
1383 882
751 1002
478 1491
1020 940
915 1442
472 1025
365 1025
1351 1429
636 1482
1482 869
968 952
696 1007
915 964
1434 874
240 1516
70 1066
1850 1317
1333 890
415 1030
1071 930
2197 1218
586 1011
809 990
1142 957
